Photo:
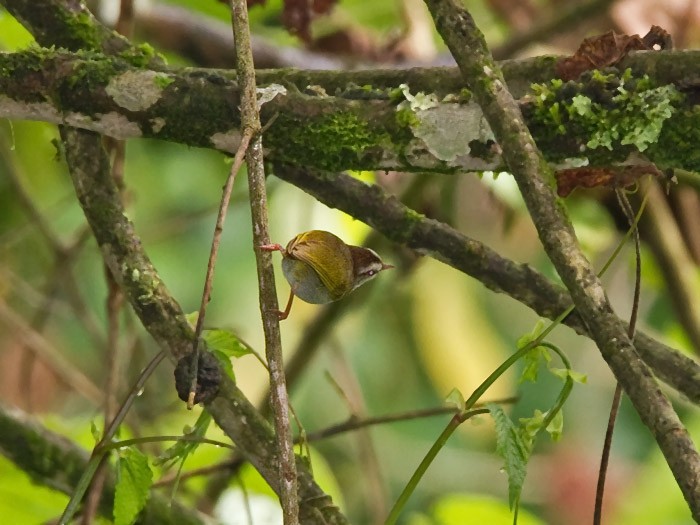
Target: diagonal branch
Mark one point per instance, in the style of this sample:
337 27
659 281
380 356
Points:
537 184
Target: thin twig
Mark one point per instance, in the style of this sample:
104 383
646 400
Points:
250 121
49 354
617 396
369 467
208 280
671 253
98 458
351 424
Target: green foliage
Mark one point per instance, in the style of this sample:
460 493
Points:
514 451
225 345
531 426
183 448
133 483
535 356
226 342
456 399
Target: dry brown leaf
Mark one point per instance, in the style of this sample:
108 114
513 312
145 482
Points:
612 177
606 50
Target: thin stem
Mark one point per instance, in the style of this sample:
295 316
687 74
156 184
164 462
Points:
216 240
456 420
115 445
49 354
356 423
97 455
617 396
250 121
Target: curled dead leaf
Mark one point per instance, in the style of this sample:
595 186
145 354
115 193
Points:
607 50
612 177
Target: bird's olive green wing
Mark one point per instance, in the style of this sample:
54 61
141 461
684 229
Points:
329 257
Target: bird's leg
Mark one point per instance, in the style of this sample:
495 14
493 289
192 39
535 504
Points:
285 314
274 247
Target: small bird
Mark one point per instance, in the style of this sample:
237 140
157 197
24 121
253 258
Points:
321 268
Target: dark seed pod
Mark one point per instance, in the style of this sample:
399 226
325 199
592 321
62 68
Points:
208 377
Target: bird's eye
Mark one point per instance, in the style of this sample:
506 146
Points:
371 273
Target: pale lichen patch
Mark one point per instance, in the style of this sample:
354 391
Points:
267 93
157 124
228 141
135 90
14 109
448 129
112 124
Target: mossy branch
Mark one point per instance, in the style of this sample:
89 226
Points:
356 128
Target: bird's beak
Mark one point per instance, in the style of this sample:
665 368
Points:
387 266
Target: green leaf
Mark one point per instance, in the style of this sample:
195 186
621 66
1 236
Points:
181 449
526 339
96 432
556 426
514 451
226 342
532 360
191 319
225 362
133 484
530 426
566 373
455 398
535 356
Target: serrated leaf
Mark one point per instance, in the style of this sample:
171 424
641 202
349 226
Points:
226 342
514 451
133 484
455 398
